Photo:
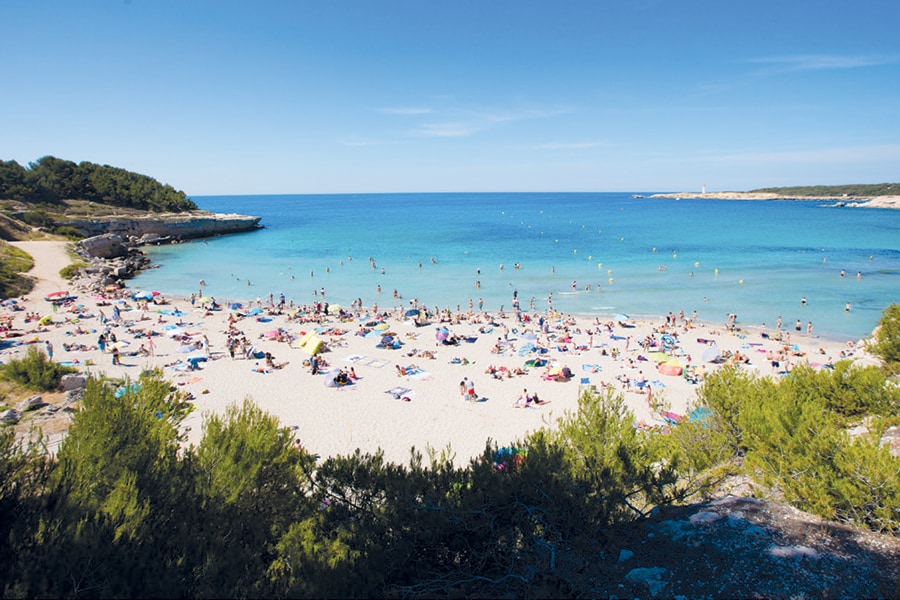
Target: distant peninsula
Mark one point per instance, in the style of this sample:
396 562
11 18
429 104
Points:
880 195
77 200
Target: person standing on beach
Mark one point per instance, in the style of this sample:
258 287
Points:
463 387
470 391
809 328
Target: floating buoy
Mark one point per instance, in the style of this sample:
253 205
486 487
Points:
697 263
610 279
575 251
741 281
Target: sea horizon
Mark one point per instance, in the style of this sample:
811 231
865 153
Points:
590 254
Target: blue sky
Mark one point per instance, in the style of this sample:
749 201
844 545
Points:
259 97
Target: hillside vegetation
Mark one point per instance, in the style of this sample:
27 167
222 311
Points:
837 191
13 263
50 181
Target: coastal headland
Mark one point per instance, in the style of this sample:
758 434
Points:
849 201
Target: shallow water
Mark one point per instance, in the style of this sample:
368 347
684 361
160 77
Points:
641 256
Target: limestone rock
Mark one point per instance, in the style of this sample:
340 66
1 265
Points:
107 245
30 404
10 416
73 381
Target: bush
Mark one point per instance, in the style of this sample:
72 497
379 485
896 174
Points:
71 270
886 343
36 371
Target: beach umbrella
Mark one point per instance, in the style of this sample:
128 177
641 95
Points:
155 294
659 356
60 295
142 296
442 334
413 312
387 340
255 311
45 319
334 308
622 317
235 305
271 334
381 326
711 354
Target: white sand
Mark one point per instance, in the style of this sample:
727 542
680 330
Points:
331 421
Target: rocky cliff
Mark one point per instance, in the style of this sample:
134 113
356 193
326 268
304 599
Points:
177 226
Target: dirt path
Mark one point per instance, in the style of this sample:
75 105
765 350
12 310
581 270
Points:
49 258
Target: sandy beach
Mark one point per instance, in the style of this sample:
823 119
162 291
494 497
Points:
418 405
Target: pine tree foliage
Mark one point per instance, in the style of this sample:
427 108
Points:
128 510
886 343
50 180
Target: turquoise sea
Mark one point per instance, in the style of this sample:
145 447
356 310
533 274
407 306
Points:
640 256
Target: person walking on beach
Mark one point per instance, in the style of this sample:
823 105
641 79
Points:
470 391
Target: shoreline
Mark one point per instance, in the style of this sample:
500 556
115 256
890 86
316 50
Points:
365 414
891 202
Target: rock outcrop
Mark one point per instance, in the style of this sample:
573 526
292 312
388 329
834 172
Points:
177 226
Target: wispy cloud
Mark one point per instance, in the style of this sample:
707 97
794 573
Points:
446 130
822 62
505 116
405 110
568 145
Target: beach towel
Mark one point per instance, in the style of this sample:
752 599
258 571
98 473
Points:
398 392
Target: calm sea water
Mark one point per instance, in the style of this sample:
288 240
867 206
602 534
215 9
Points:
640 256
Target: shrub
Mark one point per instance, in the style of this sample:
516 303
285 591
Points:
886 343
71 270
35 371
